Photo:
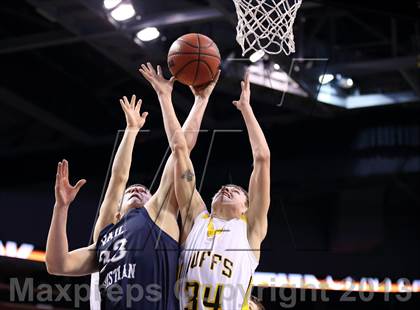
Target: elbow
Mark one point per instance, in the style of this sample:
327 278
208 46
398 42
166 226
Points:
180 148
52 268
262 155
190 145
262 234
118 177
191 133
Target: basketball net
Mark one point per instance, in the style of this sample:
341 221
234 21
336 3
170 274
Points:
266 25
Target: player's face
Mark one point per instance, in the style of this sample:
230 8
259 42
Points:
134 197
230 200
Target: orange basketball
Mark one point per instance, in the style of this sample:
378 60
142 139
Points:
194 59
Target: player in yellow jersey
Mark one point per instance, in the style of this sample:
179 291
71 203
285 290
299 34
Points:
221 248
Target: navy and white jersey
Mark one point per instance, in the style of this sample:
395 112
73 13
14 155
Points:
137 264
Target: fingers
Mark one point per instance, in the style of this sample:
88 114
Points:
59 168
216 78
149 73
245 82
144 115
79 184
126 102
151 69
172 80
63 173
65 169
133 101
123 105
246 76
142 71
62 170
60 165
145 72
138 105
237 104
58 174
145 69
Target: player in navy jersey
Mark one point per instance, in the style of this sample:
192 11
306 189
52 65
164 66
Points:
137 256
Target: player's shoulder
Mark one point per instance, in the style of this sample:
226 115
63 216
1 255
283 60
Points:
200 219
203 215
103 233
105 230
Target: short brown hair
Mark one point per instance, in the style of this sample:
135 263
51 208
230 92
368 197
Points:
141 185
130 186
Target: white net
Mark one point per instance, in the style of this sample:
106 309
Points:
266 25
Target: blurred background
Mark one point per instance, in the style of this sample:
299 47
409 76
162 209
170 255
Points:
341 116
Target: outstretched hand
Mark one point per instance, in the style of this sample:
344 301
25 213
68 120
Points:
204 92
162 86
64 192
131 109
244 99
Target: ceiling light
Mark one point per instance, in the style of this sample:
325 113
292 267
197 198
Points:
349 82
276 67
148 34
325 78
123 12
345 82
110 4
257 56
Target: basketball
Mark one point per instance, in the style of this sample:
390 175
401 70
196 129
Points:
194 59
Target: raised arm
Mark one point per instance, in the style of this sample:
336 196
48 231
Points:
192 124
181 140
58 259
190 128
259 185
122 163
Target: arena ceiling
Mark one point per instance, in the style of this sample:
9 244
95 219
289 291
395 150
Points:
64 62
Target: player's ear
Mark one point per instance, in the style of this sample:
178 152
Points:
244 207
